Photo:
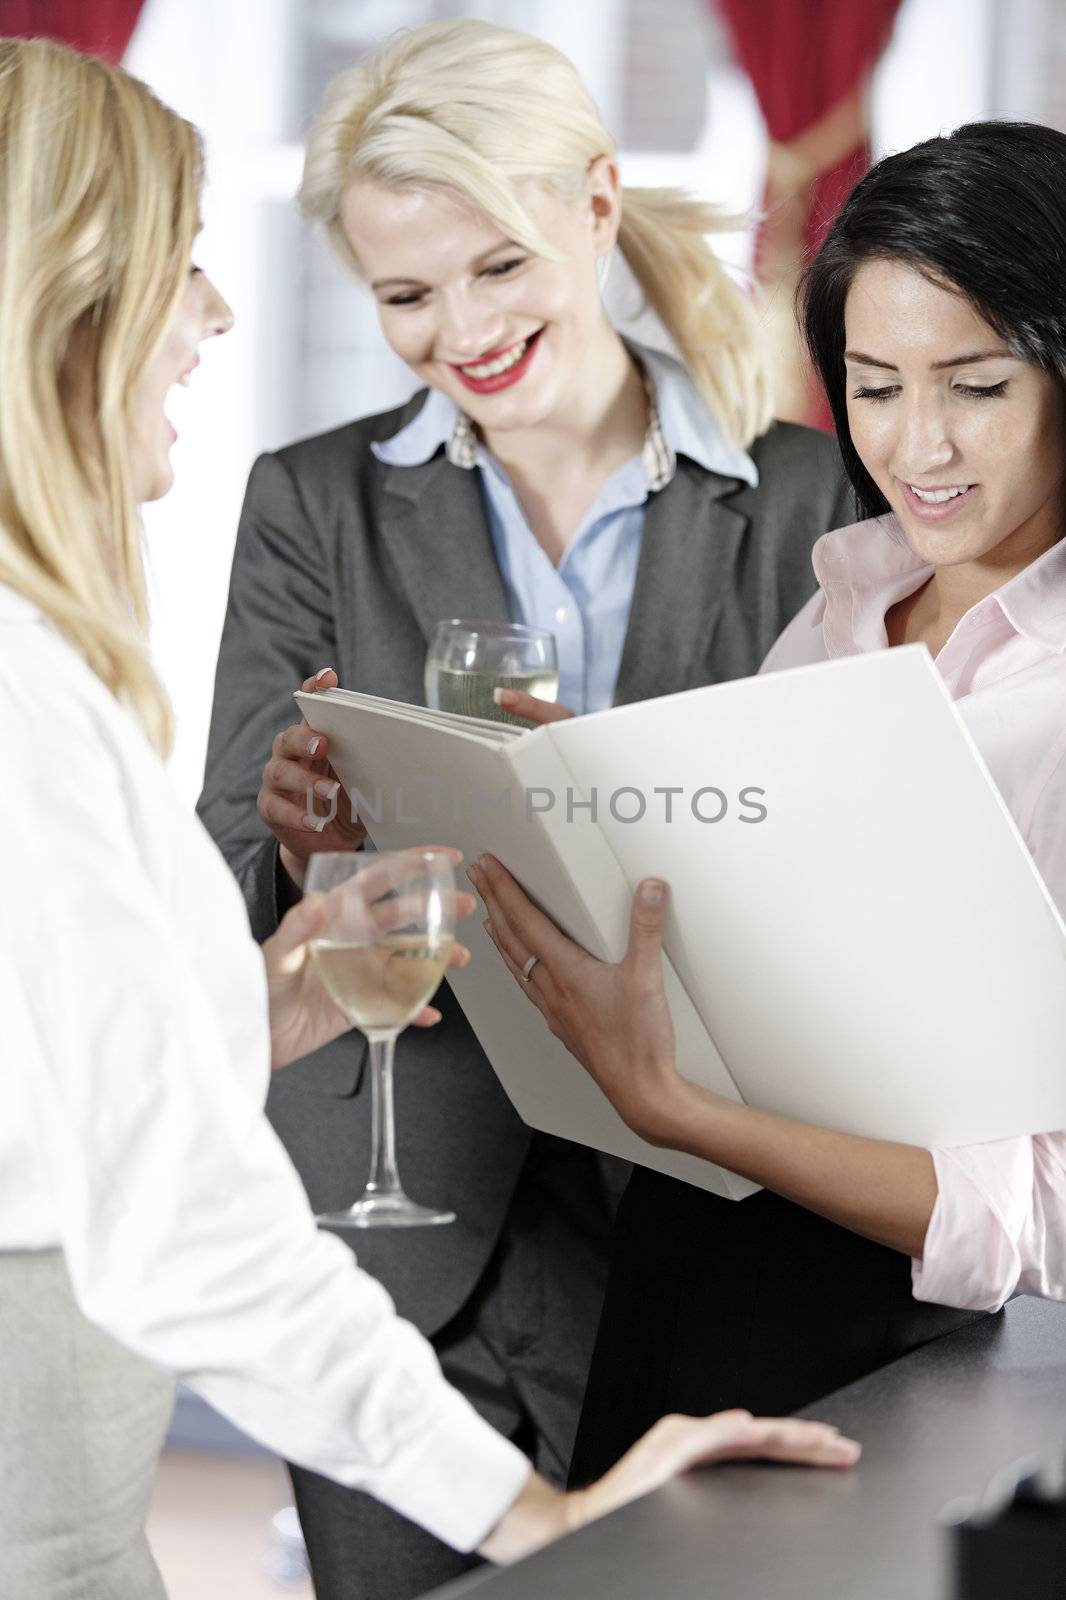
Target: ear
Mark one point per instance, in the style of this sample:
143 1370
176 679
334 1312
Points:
605 202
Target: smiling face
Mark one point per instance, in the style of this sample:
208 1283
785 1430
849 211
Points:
201 313
512 337
966 442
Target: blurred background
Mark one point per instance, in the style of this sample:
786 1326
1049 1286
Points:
306 353
770 107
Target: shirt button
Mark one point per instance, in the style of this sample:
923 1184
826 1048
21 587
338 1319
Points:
562 614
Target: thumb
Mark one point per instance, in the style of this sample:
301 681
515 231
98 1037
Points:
296 927
646 924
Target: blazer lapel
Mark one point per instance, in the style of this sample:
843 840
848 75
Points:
436 531
687 568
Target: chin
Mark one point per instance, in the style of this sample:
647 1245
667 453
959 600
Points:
508 412
159 483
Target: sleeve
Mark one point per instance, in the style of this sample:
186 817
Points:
1043 819
185 1228
998 1226
999 1223
279 627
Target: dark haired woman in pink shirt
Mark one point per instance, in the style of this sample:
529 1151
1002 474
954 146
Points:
932 315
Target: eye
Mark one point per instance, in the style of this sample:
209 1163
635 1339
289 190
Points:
976 391
502 268
409 297
195 271
876 394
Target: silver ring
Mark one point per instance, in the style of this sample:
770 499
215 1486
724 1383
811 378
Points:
527 970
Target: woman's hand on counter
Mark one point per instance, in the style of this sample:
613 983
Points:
672 1446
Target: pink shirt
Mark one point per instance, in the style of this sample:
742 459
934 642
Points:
999 1224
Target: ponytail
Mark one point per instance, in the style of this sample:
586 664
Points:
714 325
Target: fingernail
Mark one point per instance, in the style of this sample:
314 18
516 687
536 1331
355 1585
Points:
503 697
651 892
327 788
465 961
320 675
470 872
312 748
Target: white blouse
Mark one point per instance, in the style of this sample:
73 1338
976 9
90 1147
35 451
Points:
135 1064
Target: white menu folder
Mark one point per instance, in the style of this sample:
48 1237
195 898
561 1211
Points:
876 954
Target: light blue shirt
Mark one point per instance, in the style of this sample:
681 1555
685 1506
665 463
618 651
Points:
585 600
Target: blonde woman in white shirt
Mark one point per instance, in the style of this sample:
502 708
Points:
151 1225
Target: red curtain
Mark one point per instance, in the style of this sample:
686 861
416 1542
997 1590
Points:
810 63
98 27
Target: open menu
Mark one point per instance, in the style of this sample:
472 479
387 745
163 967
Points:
856 937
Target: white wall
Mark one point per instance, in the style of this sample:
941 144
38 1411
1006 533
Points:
937 72
223 64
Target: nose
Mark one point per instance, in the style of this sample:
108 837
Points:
468 327
217 315
925 441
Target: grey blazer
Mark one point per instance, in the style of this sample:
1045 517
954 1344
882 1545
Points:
342 560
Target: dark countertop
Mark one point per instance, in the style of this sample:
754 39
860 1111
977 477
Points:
935 1426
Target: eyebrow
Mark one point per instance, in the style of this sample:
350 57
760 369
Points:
861 360
478 261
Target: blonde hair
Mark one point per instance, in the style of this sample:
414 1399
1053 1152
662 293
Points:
99 194
471 107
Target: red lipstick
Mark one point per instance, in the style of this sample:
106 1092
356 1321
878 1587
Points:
500 380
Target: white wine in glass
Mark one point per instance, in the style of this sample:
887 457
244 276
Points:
467 660
382 953
381 985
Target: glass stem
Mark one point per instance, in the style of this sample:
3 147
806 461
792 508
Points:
384 1177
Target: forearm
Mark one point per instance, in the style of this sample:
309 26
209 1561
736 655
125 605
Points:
614 1019
882 1190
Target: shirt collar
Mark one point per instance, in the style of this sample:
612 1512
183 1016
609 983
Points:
1034 602
679 423
866 568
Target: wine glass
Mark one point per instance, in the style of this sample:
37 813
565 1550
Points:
389 930
467 660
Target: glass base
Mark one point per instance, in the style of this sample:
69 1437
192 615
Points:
385 1211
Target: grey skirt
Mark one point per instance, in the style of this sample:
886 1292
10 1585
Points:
82 1422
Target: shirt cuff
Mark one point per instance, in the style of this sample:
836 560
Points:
457 1477
966 1259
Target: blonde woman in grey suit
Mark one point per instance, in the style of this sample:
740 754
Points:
150 1224
644 507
